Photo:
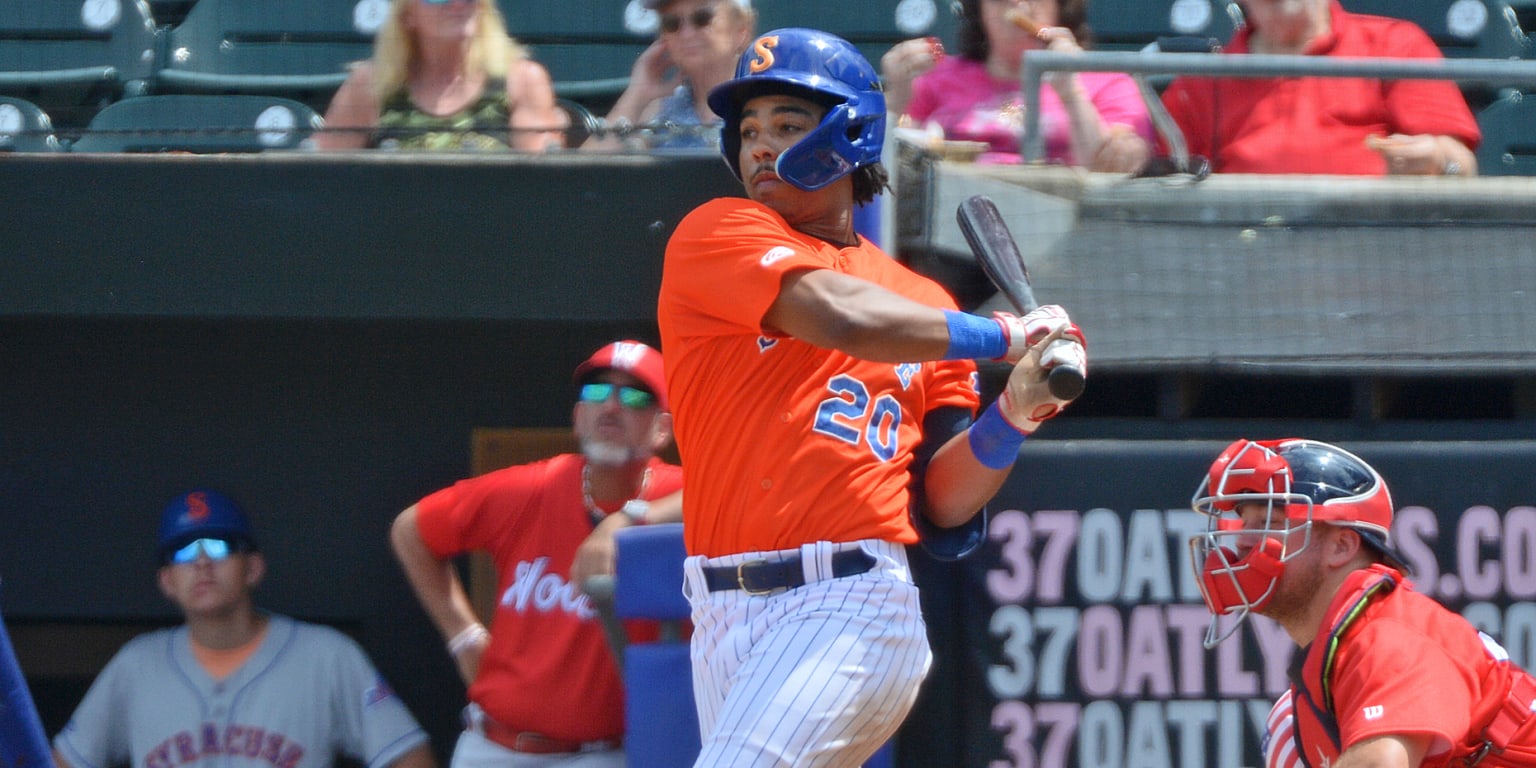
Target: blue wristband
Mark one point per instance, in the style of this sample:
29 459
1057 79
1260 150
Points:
972 337
993 440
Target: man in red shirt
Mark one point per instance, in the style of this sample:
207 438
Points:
543 685
1299 531
1326 125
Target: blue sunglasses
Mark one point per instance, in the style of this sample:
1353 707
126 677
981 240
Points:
629 397
217 550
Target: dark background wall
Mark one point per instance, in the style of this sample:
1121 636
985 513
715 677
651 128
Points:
319 335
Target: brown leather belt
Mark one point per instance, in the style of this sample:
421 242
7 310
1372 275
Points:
539 744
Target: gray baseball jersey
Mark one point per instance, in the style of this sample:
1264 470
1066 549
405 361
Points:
308 693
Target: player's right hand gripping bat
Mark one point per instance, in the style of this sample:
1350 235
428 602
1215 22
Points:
999 257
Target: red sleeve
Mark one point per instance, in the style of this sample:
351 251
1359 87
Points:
1380 677
451 521
1430 107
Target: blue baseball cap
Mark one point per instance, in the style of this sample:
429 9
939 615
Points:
202 513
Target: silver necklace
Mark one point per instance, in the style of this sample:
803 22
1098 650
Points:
597 513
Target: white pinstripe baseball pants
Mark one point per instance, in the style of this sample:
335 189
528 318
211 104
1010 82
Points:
819 675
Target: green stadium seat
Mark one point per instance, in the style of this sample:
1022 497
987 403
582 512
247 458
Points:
25 127
1130 25
298 49
588 47
873 26
1487 29
72 58
1509 136
200 124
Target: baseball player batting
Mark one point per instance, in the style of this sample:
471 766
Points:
234 686
823 397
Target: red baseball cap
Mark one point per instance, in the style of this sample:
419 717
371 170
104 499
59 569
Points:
632 357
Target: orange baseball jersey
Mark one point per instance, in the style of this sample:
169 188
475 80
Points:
548 668
783 442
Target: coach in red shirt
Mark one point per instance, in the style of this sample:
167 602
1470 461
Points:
1328 125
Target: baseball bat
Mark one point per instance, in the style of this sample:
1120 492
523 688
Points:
999 257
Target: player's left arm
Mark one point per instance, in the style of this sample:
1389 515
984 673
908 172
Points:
971 466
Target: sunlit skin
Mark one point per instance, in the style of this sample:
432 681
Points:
1008 41
769 126
450 22
1286 26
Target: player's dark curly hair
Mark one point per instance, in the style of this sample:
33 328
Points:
868 181
1073 15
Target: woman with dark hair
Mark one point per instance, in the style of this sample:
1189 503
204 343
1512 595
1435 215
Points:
1093 119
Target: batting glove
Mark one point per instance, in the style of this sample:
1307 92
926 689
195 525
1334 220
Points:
1022 332
1026 402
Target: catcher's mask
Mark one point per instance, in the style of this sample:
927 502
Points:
1261 499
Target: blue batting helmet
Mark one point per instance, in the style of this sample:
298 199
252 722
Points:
823 68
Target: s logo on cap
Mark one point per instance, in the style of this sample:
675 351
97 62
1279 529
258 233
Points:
764 50
197 506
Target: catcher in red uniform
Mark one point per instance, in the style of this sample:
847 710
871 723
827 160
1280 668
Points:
1300 532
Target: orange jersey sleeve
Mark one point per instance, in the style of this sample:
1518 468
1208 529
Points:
785 443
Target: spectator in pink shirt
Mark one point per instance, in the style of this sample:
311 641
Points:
1093 119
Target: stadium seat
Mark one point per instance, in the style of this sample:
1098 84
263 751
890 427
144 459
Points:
1485 29
873 26
25 127
1509 136
298 49
1134 24
72 58
199 124
588 47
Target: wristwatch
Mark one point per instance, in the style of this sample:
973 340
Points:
636 510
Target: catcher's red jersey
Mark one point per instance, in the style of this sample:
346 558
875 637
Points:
1390 647
783 442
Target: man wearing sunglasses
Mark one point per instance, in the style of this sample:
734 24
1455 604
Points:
543 687
670 81
235 679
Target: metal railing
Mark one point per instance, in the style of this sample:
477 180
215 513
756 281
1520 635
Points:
1502 72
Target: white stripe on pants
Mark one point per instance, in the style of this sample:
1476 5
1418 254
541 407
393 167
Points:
820 675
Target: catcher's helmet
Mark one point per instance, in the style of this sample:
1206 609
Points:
1300 482
823 68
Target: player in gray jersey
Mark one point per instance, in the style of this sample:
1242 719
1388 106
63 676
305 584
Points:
235 686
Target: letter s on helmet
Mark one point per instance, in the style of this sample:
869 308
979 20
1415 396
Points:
823 68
